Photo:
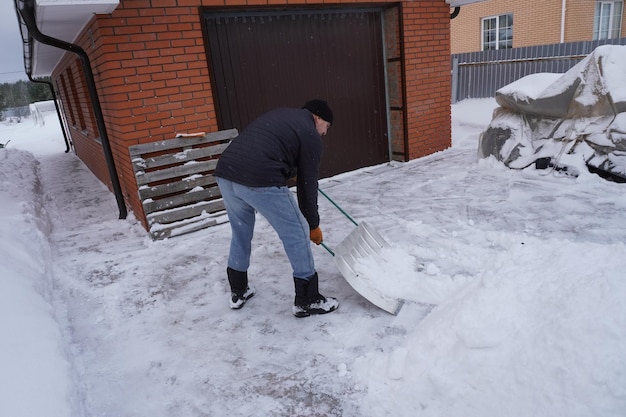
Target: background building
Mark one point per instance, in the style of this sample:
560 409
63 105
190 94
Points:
499 24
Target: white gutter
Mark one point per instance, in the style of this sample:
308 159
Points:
563 10
458 3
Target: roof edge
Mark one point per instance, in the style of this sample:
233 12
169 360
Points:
459 3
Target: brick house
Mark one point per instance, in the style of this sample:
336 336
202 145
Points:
165 67
496 24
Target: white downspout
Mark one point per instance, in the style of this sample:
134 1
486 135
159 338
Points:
563 9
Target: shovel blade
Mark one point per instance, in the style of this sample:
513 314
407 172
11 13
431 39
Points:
365 243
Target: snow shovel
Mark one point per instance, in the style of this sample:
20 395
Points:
362 243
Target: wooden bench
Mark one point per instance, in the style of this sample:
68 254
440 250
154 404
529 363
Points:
175 183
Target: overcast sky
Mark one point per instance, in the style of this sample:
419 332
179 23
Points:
11 55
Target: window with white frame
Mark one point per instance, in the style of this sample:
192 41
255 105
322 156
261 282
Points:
607 22
497 32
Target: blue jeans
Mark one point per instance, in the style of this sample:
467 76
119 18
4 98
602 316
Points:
280 209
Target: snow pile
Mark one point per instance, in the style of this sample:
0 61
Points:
547 341
35 372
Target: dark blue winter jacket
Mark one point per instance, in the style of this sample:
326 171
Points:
274 148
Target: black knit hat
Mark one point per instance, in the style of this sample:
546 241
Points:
320 108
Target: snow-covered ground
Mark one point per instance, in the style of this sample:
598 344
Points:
514 281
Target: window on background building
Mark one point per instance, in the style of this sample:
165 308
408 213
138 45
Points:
497 32
607 22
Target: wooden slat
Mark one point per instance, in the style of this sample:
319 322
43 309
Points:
178 191
180 213
188 225
190 168
151 206
181 157
165 145
186 184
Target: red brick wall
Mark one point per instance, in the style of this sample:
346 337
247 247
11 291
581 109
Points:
149 63
427 79
72 91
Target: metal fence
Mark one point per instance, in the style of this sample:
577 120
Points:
481 74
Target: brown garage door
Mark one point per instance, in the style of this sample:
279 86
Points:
263 60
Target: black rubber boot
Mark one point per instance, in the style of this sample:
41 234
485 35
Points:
301 299
240 291
308 299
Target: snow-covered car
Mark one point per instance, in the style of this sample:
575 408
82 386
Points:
568 121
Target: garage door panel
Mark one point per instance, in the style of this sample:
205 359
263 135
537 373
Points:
274 59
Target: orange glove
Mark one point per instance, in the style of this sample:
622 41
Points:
316 236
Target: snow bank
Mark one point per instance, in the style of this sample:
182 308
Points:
520 341
35 377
